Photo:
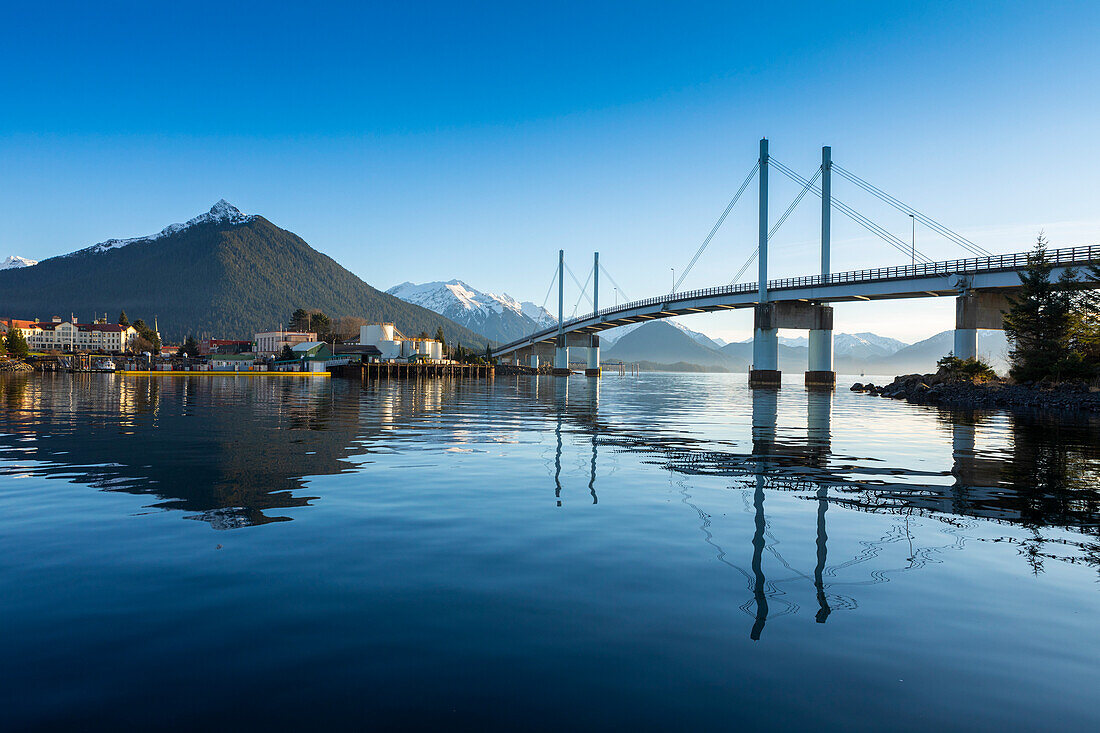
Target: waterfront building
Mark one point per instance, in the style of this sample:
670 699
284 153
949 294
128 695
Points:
272 342
70 336
224 346
392 344
232 362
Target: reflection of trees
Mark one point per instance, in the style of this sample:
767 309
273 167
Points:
228 449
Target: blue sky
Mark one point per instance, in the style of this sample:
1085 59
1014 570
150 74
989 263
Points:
422 141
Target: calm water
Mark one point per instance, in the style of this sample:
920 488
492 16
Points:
662 551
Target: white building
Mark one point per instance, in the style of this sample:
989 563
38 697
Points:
393 345
272 342
59 335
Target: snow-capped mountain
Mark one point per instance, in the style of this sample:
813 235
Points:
15 262
499 317
222 212
865 345
852 345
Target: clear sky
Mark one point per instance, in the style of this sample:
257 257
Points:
424 141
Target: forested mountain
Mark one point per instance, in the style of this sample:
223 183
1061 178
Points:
223 273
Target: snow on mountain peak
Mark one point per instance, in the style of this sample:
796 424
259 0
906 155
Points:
499 317
16 262
221 212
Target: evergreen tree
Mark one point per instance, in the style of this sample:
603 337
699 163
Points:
440 337
287 354
149 338
190 347
16 344
300 320
3 347
123 320
1039 322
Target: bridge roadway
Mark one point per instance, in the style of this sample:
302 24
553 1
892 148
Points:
995 274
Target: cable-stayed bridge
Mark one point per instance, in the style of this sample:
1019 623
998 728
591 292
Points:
980 284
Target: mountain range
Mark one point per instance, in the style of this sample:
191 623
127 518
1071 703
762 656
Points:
222 273
498 317
665 345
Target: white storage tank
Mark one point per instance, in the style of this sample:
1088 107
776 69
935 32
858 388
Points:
437 351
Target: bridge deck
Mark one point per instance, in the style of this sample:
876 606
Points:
908 281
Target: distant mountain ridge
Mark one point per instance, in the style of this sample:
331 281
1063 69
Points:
498 317
863 345
222 273
661 344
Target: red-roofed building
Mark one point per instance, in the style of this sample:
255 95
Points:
224 346
58 335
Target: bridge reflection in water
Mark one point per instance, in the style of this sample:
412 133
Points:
990 487
230 452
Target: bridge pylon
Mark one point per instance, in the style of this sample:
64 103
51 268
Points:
593 369
561 345
819 367
765 338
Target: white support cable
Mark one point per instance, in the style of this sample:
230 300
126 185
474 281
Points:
717 225
550 289
585 288
615 284
748 262
797 199
907 209
578 282
857 217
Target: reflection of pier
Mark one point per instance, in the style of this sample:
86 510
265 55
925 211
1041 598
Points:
986 485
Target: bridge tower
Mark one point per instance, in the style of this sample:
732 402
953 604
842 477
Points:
765 339
593 369
561 350
819 370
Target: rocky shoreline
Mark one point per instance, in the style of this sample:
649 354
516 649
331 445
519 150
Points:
948 391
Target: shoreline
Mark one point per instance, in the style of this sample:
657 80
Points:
936 389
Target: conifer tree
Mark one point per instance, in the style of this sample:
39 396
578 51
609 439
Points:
16 344
1039 322
190 347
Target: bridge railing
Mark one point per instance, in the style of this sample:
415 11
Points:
993 263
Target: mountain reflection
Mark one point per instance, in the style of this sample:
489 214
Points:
232 452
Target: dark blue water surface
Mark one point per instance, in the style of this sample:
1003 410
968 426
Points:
652 552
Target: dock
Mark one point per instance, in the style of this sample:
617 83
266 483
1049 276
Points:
393 370
198 373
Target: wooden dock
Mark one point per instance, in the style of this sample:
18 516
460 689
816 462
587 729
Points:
390 370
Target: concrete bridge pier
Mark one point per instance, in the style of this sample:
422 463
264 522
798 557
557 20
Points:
533 360
973 310
769 318
561 357
765 355
819 368
593 369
